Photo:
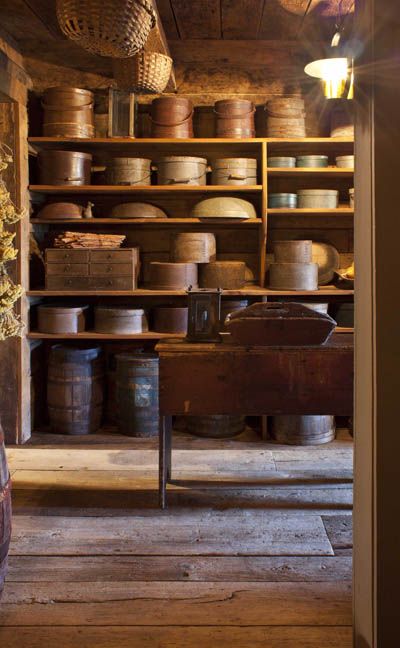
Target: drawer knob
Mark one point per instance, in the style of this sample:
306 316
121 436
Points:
110 282
67 268
109 269
67 256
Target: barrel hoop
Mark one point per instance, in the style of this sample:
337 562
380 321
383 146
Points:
176 123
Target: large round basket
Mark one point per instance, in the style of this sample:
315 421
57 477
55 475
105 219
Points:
115 28
144 73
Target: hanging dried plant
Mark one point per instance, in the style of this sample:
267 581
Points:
9 213
9 292
10 325
6 156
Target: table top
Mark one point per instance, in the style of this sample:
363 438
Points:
173 345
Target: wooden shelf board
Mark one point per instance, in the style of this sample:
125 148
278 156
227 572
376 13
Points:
146 221
290 172
297 212
91 335
146 189
251 291
151 335
49 142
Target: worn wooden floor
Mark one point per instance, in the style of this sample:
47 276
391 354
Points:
95 564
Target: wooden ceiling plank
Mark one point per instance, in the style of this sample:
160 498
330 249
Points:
44 10
198 19
282 22
241 19
168 19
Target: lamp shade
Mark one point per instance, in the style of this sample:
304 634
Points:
335 71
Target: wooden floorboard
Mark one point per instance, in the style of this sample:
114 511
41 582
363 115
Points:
177 637
240 532
64 569
142 603
95 563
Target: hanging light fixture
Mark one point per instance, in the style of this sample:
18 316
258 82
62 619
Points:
336 70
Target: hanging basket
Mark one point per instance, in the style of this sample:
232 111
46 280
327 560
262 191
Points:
144 73
114 28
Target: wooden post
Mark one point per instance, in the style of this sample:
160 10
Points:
377 233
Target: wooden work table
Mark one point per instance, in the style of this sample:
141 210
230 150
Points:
204 379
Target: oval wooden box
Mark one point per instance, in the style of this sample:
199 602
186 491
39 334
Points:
293 276
170 319
124 321
173 276
61 319
223 274
293 251
234 171
60 210
193 247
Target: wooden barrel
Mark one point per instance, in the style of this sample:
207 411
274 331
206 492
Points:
170 319
172 276
293 251
193 247
172 117
293 276
75 389
64 168
234 118
129 171
5 511
219 426
137 394
223 274
182 169
68 112
303 430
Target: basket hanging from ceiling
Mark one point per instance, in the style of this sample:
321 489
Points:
144 73
114 28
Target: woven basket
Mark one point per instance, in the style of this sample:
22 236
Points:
115 28
144 73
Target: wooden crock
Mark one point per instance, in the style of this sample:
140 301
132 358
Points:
293 276
61 319
170 319
303 430
193 247
129 171
172 117
223 274
68 112
64 167
124 321
234 118
5 511
182 169
173 276
293 251
234 171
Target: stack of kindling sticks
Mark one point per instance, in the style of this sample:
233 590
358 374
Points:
88 240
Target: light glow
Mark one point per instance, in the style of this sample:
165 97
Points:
336 75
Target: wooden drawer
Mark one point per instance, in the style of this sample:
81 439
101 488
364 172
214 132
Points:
90 283
68 269
112 283
116 256
55 282
73 256
106 269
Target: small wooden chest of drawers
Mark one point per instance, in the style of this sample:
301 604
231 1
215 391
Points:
92 269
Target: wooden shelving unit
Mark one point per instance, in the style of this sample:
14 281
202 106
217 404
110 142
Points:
177 200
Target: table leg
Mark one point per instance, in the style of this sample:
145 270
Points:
165 443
